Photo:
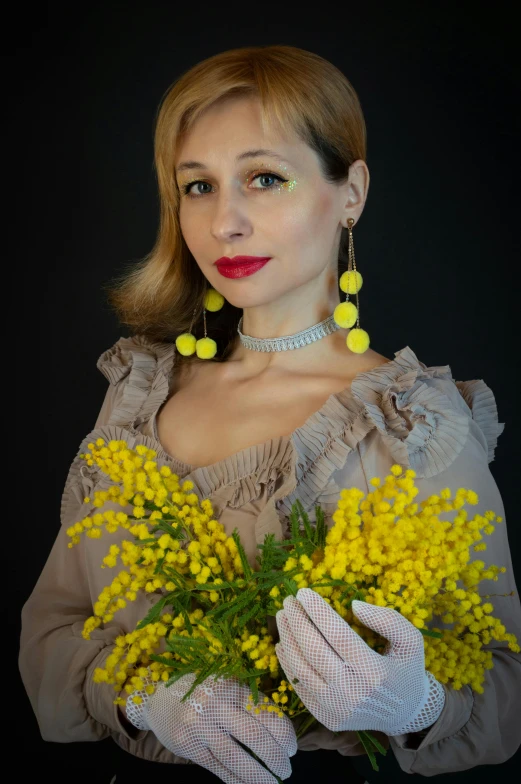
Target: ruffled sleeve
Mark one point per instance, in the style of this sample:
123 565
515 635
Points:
416 412
482 406
447 431
56 663
140 371
475 729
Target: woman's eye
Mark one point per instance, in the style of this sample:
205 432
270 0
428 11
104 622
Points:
266 175
190 185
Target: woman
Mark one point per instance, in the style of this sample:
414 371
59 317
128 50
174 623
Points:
260 152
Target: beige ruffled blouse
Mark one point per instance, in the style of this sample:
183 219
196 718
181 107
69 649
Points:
401 412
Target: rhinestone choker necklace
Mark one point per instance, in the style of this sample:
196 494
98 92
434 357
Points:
309 335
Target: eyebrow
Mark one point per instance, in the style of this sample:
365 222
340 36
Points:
247 154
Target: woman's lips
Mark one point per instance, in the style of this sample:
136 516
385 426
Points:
242 269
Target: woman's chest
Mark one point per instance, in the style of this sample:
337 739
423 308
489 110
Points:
202 423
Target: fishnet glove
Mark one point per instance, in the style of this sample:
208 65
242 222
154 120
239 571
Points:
203 729
343 682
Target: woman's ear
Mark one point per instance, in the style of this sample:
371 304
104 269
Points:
354 192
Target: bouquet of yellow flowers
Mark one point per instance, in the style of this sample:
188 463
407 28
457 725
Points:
211 617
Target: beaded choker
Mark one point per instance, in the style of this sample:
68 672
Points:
299 339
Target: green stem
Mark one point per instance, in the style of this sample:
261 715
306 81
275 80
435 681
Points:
369 742
305 725
371 745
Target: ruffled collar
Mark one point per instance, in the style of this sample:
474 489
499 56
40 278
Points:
149 367
420 413
339 408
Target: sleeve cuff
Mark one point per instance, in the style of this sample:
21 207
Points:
455 714
99 701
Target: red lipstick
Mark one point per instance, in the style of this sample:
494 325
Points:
240 266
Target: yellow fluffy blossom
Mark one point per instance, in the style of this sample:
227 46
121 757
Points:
397 553
385 548
189 527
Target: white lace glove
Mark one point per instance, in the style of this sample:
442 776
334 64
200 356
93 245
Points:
203 728
343 682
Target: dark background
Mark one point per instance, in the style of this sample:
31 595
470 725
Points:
436 243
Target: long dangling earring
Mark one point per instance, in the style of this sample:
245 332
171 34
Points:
346 313
205 347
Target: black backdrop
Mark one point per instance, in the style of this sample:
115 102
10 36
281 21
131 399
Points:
436 243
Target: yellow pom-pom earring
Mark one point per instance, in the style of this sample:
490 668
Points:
346 313
205 347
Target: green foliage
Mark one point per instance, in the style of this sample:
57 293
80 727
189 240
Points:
153 614
244 605
248 571
179 532
431 633
371 745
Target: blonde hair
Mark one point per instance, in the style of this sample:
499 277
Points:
299 92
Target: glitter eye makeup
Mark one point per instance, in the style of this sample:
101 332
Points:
281 185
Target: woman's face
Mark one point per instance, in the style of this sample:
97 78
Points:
259 205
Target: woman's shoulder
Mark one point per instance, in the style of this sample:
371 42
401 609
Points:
419 415
406 412
139 369
137 353
427 409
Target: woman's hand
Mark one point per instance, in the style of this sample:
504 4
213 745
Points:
343 682
209 726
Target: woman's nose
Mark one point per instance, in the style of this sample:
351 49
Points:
230 217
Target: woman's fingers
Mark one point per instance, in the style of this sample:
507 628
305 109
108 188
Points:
405 639
346 643
243 726
308 697
317 651
236 762
206 759
304 652
280 728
